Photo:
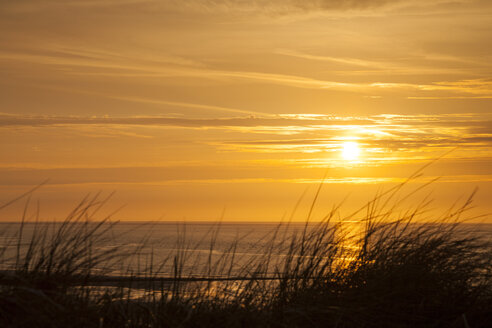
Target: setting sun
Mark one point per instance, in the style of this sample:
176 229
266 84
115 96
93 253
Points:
350 150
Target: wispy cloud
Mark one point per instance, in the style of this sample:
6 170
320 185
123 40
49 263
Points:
340 60
29 120
270 6
314 133
416 64
78 62
196 175
183 104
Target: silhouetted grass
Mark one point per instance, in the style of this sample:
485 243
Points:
387 270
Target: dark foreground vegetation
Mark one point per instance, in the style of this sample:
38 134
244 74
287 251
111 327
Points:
392 273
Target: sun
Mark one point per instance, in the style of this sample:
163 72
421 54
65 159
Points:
350 150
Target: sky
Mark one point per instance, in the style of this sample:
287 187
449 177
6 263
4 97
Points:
201 109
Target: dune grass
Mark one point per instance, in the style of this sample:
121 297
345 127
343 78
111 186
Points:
392 271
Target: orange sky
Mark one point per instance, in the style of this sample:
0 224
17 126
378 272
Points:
185 108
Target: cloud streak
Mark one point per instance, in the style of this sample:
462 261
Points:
271 6
40 121
313 133
377 124
115 65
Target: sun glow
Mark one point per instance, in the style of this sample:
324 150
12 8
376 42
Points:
350 150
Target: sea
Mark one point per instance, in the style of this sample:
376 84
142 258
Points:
168 249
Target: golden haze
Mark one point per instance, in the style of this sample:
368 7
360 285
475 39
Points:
185 109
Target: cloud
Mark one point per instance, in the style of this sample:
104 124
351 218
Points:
195 175
183 104
281 6
100 63
40 121
417 64
417 144
286 7
458 125
385 133
382 138
387 141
